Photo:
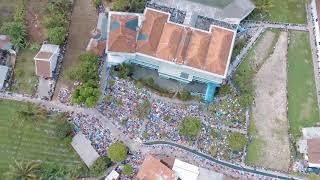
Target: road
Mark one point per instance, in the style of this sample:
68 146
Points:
134 146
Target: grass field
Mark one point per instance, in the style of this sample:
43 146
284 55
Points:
290 11
302 101
25 78
23 140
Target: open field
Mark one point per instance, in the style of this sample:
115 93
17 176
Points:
23 140
83 20
289 11
302 101
270 108
25 78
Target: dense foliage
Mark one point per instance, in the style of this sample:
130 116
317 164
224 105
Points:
127 170
237 141
87 94
184 95
99 166
129 5
123 70
86 72
56 20
31 113
190 127
26 170
117 152
64 128
17 29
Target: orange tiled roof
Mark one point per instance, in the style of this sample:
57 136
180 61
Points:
169 42
122 38
152 29
218 51
197 49
153 169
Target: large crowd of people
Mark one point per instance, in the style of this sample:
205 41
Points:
99 136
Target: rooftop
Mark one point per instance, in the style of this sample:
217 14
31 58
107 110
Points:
46 51
153 169
3 75
314 150
122 33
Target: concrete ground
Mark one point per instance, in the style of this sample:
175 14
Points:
44 87
270 109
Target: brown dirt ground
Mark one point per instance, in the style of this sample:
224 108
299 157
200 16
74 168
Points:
83 20
35 13
270 108
261 50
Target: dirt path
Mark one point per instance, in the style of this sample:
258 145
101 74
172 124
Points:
270 109
83 20
261 51
35 13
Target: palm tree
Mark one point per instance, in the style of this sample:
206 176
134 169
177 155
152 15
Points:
263 5
23 170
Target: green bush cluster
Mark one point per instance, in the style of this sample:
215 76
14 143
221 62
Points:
190 127
17 28
63 128
117 152
86 72
127 170
136 6
99 166
56 20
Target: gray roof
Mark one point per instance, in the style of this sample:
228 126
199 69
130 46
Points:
3 75
84 148
231 11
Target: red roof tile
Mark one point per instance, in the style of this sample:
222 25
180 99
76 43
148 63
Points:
122 39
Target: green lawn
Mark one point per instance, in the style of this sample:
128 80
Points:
29 141
290 11
302 100
25 78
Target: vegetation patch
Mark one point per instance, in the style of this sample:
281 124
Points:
136 6
99 166
302 100
190 127
117 152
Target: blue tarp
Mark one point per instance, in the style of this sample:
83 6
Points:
211 88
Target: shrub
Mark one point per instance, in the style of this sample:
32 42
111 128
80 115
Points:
184 95
117 152
97 2
87 94
237 141
55 20
99 166
56 35
127 170
63 129
87 69
190 127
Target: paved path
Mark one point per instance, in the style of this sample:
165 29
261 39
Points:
313 47
133 145
295 27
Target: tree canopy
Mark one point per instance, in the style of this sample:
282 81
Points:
87 94
56 35
87 69
117 152
129 5
127 170
190 127
237 141
99 166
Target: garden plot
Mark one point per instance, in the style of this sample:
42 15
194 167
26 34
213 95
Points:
270 109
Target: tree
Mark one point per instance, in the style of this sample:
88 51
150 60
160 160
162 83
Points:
237 141
87 93
117 152
55 20
190 127
57 35
129 5
99 166
63 129
25 170
184 95
127 170
87 70
120 5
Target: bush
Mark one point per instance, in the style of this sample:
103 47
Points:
63 129
190 127
97 2
184 95
55 20
237 141
57 35
117 152
99 166
87 94
129 5
87 69
53 171
127 170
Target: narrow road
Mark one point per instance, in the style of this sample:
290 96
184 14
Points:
295 27
134 145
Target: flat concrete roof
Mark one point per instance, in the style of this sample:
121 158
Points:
84 148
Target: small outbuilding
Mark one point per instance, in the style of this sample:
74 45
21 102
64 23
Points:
46 60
